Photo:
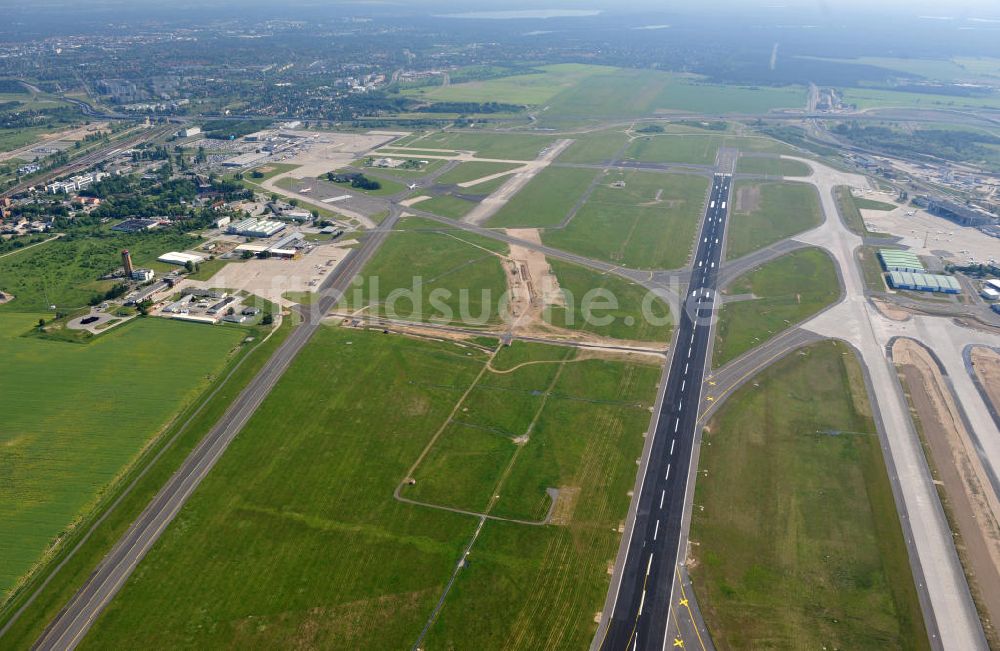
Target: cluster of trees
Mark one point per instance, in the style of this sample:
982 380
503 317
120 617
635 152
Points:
956 145
359 181
470 107
116 291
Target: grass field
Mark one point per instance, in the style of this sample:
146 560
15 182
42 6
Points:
871 268
772 166
867 98
471 171
449 265
488 144
65 272
695 149
596 147
795 534
546 199
76 415
872 204
269 171
848 207
765 213
573 91
627 319
17 138
787 290
649 224
311 549
534 88
447 206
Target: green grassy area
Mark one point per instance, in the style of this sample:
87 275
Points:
489 144
269 171
848 207
403 173
83 547
465 172
871 268
17 138
447 206
765 213
76 415
65 272
388 188
650 223
209 268
695 149
457 272
546 199
787 290
575 91
872 204
627 315
771 166
332 560
795 534
595 147
867 98
535 88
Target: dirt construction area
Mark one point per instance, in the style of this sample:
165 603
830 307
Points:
986 363
970 502
272 278
533 286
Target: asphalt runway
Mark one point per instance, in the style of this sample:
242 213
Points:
642 598
68 627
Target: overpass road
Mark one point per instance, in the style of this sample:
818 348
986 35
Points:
640 602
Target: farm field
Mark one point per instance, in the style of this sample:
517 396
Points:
65 272
771 166
649 223
786 290
456 263
331 559
471 171
767 212
796 538
546 199
76 415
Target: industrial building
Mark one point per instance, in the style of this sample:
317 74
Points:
990 294
188 132
251 227
923 282
135 225
956 212
895 260
181 259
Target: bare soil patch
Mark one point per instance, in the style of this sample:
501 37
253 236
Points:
972 507
747 198
891 311
562 511
986 363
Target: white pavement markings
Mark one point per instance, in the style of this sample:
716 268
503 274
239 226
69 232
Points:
656 532
672 441
677 423
857 321
663 493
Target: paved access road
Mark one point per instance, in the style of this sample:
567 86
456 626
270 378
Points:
76 618
641 600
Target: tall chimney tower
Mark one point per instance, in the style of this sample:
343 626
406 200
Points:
127 263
